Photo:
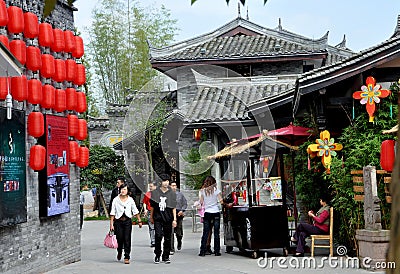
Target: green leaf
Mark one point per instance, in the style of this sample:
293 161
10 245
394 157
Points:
49 6
193 1
265 2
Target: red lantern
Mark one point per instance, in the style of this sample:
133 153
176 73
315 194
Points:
4 40
46 37
80 76
37 159
34 91
59 75
33 58
31 29
71 98
3 14
19 88
83 159
48 68
58 40
4 82
387 155
78 51
18 49
70 68
69 39
81 105
72 125
81 134
61 104
197 134
73 151
48 96
15 19
35 124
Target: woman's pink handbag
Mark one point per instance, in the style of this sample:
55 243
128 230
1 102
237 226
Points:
111 240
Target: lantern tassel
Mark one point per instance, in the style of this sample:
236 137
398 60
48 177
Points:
308 163
391 111
353 110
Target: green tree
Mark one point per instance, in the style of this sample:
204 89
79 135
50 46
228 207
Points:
103 169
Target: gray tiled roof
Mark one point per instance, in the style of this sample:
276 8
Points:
117 108
98 122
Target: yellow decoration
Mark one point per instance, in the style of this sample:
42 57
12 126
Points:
325 147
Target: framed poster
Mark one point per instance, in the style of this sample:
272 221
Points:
54 178
13 208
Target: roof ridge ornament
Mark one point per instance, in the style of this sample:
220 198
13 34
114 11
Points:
280 24
397 28
342 44
239 16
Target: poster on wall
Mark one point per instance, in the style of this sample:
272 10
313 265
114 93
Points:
54 178
13 208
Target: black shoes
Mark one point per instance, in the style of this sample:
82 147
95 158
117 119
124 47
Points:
217 254
157 260
119 255
179 245
209 251
167 261
202 254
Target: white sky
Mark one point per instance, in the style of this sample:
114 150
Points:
365 22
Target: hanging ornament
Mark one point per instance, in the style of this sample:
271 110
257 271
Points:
60 101
37 158
80 75
81 134
15 19
48 96
81 104
31 29
70 70
34 91
69 39
18 49
387 155
19 88
46 37
73 151
48 67
325 147
4 82
78 51
59 72
369 95
71 98
4 40
3 14
35 124
83 159
58 44
72 125
33 58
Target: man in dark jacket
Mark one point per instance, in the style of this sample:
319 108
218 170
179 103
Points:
181 205
115 191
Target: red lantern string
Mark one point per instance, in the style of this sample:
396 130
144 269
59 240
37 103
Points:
3 14
48 96
59 75
15 19
4 82
58 44
48 67
34 91
4 40
79 48
72 125
69 39
31 29
80 76
73 151
18 49
70 67
71 98
81 134
35 124
37 159
60 104
46 37
81 105
83 159
33 58
19 88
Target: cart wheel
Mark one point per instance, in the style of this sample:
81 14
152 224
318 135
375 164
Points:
254 254
285 252
229 249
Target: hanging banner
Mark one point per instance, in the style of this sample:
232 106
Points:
54 178
13 208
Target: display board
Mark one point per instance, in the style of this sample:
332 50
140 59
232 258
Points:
54 178
13 208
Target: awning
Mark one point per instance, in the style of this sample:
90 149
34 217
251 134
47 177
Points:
9 65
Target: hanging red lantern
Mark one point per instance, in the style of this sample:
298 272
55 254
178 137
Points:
72 125
80 75
61 104
46 37
69 39
197 134
58 44
18 49
35 124
71 98
78 51
70 68
19 88
48 96
15 19
387 155
34 91
48 68
33 58
73 151
83 159
4 40
59 75
31 29
37 158
81 105
4 82
3 14
81 134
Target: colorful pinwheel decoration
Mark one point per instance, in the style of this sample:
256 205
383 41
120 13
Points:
370 94
325 147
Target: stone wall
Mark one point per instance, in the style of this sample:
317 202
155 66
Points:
42 244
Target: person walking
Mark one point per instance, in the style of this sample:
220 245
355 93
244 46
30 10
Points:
210 197
147 212
163 215
115 191
81 204
122 209
181 205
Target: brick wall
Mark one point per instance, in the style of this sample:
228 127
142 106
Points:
42 244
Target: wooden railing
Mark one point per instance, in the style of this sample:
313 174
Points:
358 184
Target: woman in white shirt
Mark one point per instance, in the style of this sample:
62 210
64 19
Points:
210 197
122 209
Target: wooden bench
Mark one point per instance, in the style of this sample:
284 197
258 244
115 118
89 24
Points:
324 237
